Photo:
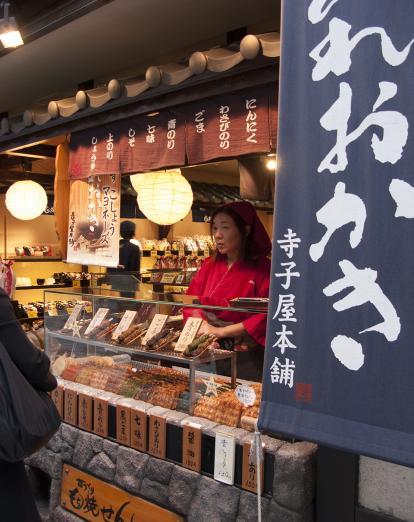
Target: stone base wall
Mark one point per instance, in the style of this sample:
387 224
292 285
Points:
197 497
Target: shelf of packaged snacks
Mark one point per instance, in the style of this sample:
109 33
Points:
32 259
38 287
168 284
170 270
155 253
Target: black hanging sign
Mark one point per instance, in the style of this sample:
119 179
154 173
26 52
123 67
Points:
339 356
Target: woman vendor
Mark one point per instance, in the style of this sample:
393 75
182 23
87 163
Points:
239 268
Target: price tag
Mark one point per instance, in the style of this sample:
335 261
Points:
192 447
180 279
71 407
168 278
139 421
154 253
52 311
100 417
57 398
224 458
168 252
245 394
188 334
74 315
157 436
124 323
85 412
181 252
97 319
249 472
76 283
157 324
32 314
206 252
123 428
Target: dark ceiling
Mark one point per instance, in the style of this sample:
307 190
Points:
39 17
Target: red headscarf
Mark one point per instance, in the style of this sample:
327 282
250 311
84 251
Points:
258 237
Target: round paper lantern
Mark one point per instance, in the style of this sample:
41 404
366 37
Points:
137 180
165 197
26 199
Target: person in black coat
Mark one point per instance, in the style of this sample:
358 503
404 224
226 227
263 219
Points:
126 275
16 498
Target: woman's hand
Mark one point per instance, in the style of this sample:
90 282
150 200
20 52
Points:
206 328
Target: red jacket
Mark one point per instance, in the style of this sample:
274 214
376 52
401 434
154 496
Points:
215 284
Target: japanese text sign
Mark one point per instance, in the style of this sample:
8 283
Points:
339 356
94 218
224 458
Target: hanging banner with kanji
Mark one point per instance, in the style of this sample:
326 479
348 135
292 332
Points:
94 151
225 126
94 212
151 142
228 126
339 357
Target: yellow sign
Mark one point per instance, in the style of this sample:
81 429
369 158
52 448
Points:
95 500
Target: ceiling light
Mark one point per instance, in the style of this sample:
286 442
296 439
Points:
9 32
164 197
271 162
26 199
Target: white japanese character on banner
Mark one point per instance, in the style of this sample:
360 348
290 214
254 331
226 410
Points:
288 274
340 210
348 352
283 340
283 373
403 195
286 308
337 58
365 290
394 126
316 11
290 242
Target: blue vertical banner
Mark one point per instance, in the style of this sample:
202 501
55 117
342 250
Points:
339 363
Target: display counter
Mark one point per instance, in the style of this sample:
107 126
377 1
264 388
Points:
148 420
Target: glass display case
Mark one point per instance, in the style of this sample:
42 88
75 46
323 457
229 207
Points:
149 347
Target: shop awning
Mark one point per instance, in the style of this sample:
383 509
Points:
155 90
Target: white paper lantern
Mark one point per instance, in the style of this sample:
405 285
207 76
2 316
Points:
26 199
137 180
165 197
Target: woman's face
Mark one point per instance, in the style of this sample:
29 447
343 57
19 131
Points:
226 235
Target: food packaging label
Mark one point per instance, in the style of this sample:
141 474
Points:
245 394
97 319
124 323
74 315
157 324
188 334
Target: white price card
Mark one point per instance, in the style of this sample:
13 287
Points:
73 316
188 334
97 319
245 394
157 324
224 458
124 323
168 278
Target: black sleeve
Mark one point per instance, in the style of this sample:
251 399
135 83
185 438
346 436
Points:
33 363
134 259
